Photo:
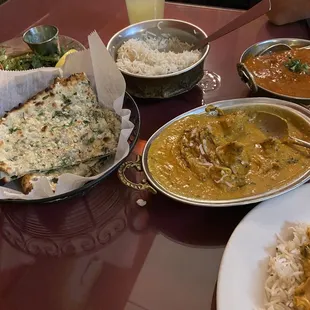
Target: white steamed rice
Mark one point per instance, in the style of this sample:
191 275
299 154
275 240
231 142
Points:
285 271
143 56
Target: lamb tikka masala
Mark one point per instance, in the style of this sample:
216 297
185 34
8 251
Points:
286 73
225 156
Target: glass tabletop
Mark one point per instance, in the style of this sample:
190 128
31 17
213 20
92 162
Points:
83 251
103 250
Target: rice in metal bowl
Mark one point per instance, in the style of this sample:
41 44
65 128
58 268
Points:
152 55
160 85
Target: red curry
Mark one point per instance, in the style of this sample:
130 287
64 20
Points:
286 73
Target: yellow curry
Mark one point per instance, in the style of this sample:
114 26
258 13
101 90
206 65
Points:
286 73
215 157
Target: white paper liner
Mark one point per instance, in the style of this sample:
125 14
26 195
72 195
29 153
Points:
18 86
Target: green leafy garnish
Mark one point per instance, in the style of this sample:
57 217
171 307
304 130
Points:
26 61
70 124
60 113
45 97
98 131
66 161
295 65
2 54
91 140
214 111
38 61
13 129
66 100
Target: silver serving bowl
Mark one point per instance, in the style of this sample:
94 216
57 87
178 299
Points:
254 50
292 110
161 86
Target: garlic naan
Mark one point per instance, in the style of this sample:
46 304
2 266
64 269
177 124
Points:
57 129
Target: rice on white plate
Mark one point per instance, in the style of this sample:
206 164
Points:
285 270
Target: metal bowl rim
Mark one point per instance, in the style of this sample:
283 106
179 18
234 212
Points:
292 107
201 59
275 41
43 42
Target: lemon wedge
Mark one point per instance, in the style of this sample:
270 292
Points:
62 60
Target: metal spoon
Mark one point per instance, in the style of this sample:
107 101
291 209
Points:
275 126
253 13
279 47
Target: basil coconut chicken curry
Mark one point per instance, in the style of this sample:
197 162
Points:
286 73
224 155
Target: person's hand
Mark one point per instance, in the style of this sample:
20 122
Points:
288 11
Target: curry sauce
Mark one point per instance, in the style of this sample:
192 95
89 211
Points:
286 73
225 157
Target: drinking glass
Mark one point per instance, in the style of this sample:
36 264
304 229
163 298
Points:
140 10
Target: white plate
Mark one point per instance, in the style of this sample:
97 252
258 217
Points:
243 268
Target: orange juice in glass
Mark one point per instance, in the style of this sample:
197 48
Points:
140 10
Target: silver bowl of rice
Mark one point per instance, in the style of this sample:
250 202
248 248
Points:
156 59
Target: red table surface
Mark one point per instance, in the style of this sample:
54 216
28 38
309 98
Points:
103 251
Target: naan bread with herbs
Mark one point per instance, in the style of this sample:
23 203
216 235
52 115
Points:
85 169
57 129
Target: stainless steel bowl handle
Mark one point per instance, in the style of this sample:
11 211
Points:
247 77
144 185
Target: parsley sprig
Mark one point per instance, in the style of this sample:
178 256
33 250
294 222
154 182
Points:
297 66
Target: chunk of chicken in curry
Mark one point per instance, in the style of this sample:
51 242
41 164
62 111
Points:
224 156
